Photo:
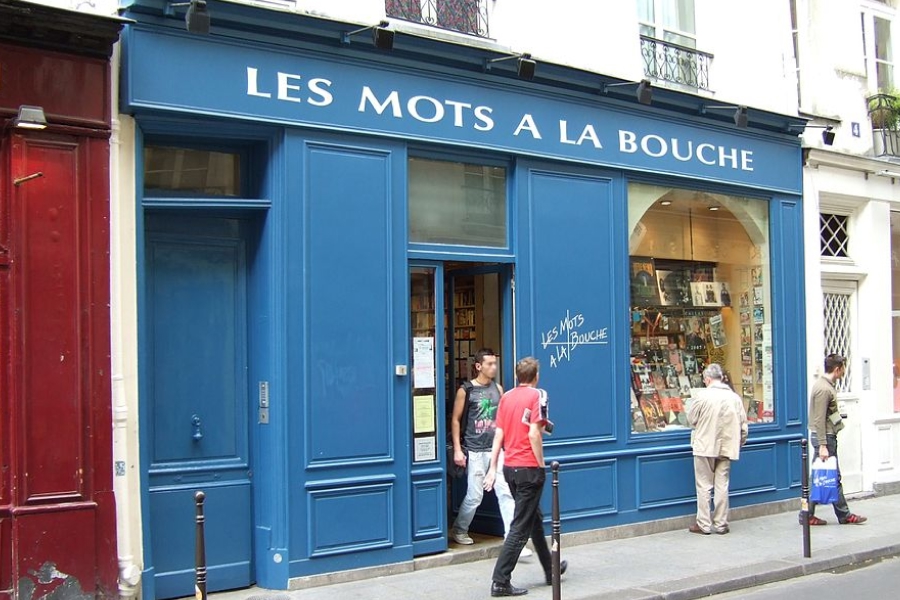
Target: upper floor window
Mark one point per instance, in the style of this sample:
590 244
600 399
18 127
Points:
465 16
876 21
669 43
668 20
795 36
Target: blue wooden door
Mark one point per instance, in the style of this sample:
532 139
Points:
198 400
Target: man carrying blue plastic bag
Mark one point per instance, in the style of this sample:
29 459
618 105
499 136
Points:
825 423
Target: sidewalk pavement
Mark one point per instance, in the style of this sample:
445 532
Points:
672 565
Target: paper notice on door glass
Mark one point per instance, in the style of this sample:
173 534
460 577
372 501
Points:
425 449
423 414
423 362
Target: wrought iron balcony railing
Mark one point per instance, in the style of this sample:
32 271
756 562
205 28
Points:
884 114
679 64
465 16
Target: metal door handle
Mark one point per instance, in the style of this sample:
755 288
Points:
197 435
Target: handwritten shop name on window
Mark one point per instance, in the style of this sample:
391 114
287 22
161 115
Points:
563 339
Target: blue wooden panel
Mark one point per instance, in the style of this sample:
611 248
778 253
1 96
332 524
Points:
568 301
349 519
795 468
349 302
429 511
789 310
665 479
756 470
588 488
197 304
228 540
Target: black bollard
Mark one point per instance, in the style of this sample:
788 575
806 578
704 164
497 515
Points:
200 549
554 535
804 497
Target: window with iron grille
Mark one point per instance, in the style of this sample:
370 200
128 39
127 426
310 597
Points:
465 16
835 235
838 331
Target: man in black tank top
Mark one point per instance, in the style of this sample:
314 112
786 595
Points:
477 409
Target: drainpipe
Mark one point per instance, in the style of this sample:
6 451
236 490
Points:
124 469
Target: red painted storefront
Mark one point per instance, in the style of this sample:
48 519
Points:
57 509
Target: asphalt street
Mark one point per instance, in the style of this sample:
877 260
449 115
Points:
877 581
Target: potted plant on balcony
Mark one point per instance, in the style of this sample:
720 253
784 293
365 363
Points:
884 113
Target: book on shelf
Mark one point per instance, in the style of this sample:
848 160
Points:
644 289
674 287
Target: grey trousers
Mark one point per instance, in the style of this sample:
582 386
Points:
711 476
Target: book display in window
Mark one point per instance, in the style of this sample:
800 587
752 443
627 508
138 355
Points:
674 339
756 387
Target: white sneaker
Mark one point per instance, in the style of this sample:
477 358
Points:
526 552
461 537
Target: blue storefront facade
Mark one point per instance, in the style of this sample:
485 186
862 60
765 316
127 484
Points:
301 240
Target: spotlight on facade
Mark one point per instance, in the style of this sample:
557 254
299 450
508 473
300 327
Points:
382 37
828 132
741 116
196 19
644 91
30 117
525 65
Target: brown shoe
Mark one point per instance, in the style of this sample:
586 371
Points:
724 530
696 529
854 520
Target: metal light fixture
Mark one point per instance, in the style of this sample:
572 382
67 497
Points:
196 19
30 117
525 65
382 37
828 133
741 117
644 91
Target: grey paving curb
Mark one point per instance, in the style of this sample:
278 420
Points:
748 576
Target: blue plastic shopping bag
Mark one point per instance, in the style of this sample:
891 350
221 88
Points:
824 481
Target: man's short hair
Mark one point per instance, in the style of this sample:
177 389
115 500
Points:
527 369
833 361
481 353
713 371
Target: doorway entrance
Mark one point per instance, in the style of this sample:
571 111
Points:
456 309
475 312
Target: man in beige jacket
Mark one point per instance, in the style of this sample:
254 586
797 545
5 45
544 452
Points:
719 425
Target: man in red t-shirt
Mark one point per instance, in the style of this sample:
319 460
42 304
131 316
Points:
522 419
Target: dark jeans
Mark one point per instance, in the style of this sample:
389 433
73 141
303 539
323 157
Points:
526 485
841 510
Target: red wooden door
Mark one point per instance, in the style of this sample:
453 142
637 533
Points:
59 518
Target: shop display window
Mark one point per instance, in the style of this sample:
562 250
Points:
457 203
700 293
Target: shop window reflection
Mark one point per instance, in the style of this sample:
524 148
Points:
700 293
